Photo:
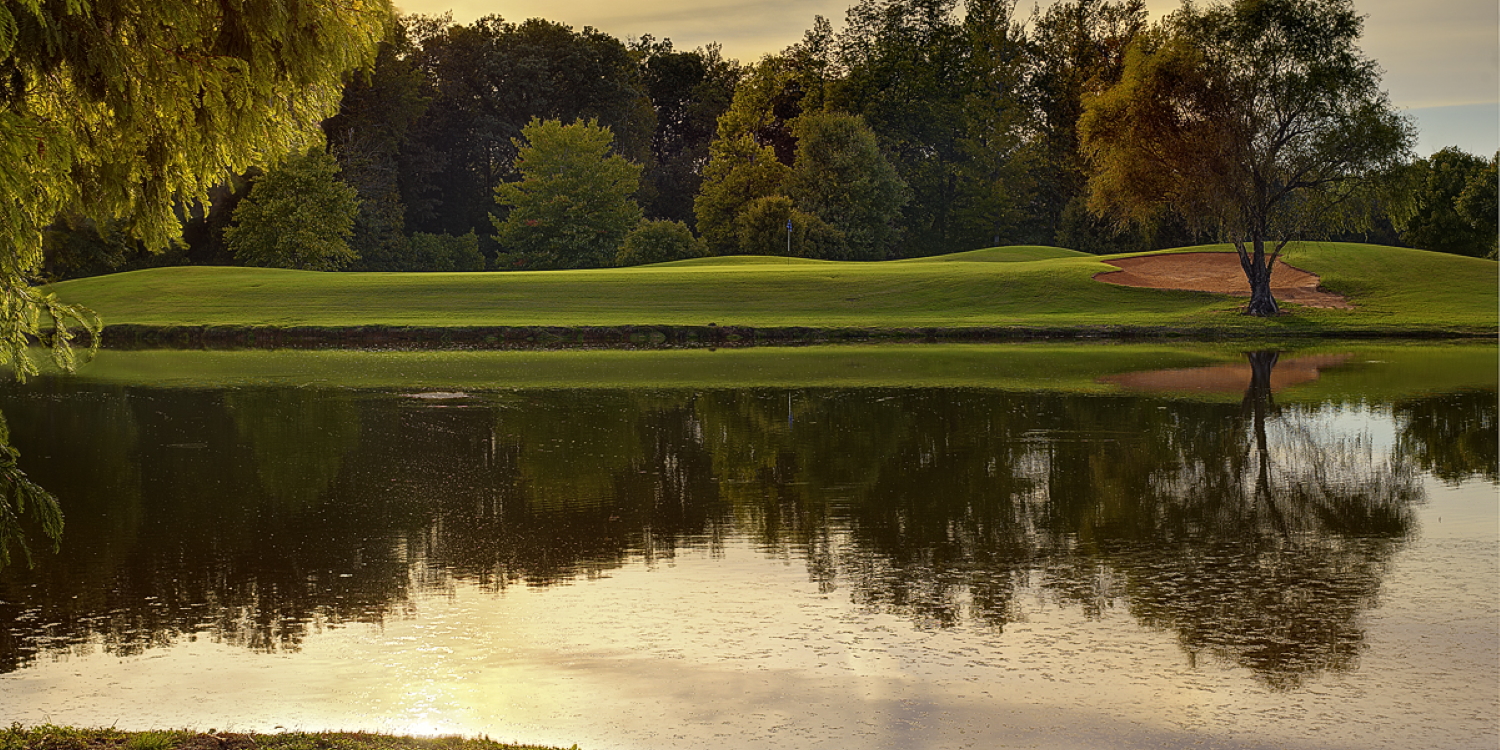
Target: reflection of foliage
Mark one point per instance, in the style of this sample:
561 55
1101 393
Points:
22 502
170 534
1285 611
1452 435
1254 536
298 438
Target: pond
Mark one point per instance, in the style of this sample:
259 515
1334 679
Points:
883 547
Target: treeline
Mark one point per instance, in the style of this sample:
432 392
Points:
923 127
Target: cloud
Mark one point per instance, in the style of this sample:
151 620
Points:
1435 53
747 29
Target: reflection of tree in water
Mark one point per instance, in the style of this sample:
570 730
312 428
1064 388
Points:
1453 435
171 532
1288 546
258 515
1249 531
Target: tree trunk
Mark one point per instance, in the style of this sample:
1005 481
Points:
1258 272
1258 404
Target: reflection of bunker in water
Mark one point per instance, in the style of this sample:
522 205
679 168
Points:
1226 378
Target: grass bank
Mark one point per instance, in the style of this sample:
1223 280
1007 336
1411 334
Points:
69 738
986 294
1346 371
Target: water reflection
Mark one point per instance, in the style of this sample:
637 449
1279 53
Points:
1257 533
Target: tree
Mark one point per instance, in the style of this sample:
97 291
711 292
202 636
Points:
1077 48
111 113
489 80
689 90
442 252
1445 197
841 177
574 203
1258 119
298 215
761 229
374 119
739 172
659 241
1480 203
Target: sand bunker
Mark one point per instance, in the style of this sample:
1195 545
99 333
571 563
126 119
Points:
1227 378
1220 273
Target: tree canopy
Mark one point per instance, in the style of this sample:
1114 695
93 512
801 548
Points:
109 113
1258 120
298 215
575 201
119 114
1447 203
841 177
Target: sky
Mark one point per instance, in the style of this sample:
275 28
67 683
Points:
1441 57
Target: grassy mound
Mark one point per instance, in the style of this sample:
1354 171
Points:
1394 291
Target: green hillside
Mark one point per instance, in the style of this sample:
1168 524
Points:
1393 290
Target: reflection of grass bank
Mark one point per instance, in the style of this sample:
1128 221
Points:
49 737
1361 370
1394 291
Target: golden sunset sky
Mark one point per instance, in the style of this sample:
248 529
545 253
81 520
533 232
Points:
1441 57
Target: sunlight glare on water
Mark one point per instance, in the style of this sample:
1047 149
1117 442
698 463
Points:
897 568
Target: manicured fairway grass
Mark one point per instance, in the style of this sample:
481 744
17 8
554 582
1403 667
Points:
1394 290
1362 370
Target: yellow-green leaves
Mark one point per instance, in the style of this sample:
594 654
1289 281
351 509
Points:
118 112
574 203
298 215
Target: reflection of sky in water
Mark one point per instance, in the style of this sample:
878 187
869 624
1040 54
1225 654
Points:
725 636
739 649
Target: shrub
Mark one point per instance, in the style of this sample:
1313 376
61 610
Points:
659 241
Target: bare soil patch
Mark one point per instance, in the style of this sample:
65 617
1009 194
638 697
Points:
1227 378
1219 273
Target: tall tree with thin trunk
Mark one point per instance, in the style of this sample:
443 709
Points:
1258 119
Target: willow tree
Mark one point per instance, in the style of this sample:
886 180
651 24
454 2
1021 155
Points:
110 112
1258 119
122 111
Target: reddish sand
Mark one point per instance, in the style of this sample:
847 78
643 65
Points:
1232 378
1221 273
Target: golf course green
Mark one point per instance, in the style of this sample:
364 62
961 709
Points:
992 293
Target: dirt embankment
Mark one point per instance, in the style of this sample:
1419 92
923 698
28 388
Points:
1219 273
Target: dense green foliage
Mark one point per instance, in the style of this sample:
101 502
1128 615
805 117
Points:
376 114
575 202
1448 203
109 114
486 82
297 215
659 241
739 172
841 178
973 108
689 90
1256 120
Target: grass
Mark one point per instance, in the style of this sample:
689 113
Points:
1384 370
1394 290
48 737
